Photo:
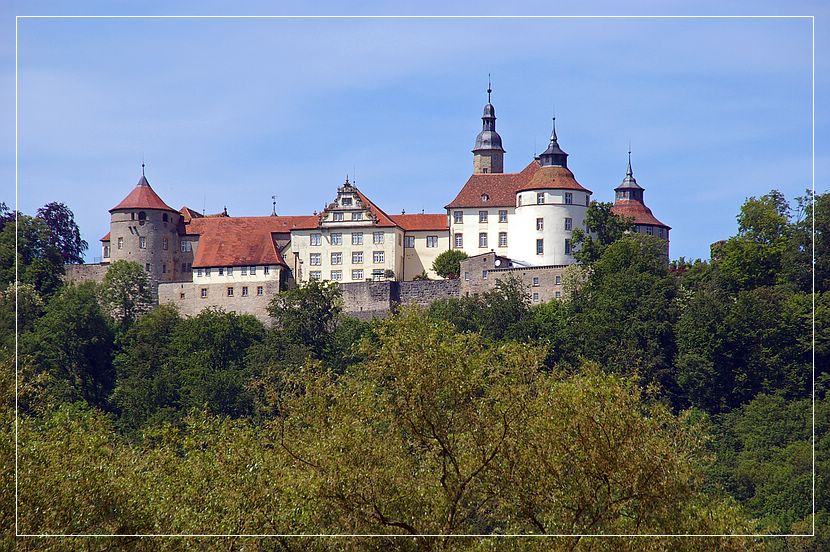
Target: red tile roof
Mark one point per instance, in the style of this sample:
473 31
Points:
382 218
106 238
553 178
188 213
242 241
500 188
143 197
636 210
417 222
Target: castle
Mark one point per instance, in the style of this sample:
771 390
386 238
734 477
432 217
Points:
518 223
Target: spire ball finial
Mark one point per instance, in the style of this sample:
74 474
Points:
489 88
553 133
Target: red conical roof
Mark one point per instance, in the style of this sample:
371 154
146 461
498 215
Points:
143 197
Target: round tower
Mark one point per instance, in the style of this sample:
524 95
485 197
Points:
488 153
629 203
144 229
548 208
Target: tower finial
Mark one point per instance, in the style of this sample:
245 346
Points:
142 168
489 88
629 172
273 205
553 133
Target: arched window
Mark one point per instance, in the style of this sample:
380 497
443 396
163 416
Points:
142 215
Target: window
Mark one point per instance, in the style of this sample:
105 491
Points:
535 281
164 217
357 275
120 243
266 270
377 257
540 198
482 239
184 267
357 257
347 201
540 224
142 242
199 272
519 200
377 237
483 274
230 271
314 275
336 275
164 243
244 291
558 294
535 297
459 241
147 267
569 198
357 216
163 268
540 247
482 216
259 290
558 279
569 223
357 238
207 272
567 247
432 241
316 239
230 292
660 232
181 295
502 239
338 217
252 270
132 216
106 251
221 271
409 242
314 259
337 258
503 215
457 217
186 247
142 216
466 276
244 269
204 292
650 230
587 200
485 197
336 238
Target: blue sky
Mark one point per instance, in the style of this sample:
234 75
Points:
227 112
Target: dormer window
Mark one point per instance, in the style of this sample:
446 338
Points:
485 197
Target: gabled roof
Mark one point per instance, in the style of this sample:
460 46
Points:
143 197
105 238
188 213
243 241
636 210
417 222
500 188
382 218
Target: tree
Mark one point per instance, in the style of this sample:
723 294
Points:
39 263
603 229
126 291
448 263
64 232
506 305
308 314
72 344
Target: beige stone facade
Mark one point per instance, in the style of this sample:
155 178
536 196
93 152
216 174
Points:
480 274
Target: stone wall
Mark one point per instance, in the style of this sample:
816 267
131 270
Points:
187 297
479 274
367 300
424 292
85 273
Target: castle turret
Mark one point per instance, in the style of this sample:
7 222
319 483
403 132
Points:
554 156
144 229
488 153
629 203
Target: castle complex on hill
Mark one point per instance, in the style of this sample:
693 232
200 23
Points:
519 223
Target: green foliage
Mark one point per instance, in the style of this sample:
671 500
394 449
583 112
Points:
448 263
624 315
29 305
604 228
308 314
64 232
72 344
126 291
39 262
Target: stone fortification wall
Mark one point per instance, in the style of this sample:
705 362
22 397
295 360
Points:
366 300
188 298
85 273
424 292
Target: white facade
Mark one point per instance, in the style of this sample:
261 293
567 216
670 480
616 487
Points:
481 229
544 223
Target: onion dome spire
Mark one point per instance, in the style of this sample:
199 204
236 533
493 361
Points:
488 138
554 155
